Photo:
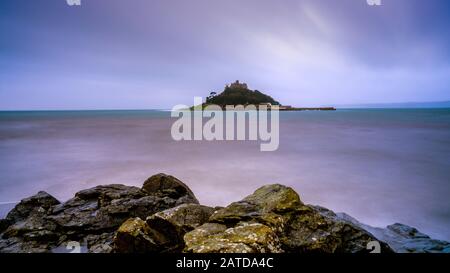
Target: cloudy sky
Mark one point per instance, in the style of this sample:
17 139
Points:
139 54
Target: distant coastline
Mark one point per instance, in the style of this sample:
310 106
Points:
399 105
269 108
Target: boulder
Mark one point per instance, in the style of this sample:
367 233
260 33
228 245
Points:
268 204
162 231
245 237
317 229
100 243
25 227
134 236
105 208
43 224
168 185
402 238
406 239
164 216
41 201
176 222
4 224
295 227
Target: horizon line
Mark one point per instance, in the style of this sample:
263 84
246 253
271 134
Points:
377 105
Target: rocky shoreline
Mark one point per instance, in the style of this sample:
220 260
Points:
164 216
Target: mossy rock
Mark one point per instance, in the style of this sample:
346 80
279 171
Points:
134 236
267 203
243 238
171 186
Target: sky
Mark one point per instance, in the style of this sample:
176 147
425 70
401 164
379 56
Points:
141 54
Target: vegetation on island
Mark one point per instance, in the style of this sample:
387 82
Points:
239 94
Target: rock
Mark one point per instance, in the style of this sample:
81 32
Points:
162 231
169 186
175 222
15 245
105 208
26 229
402 238
4 224
316 229
182 218
267 204
245 237
100 243
406 239
295 227
40 223
134 236
407 231
273 219
40 201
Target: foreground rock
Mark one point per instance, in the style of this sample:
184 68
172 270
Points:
42 224
162 231
32 207
402 238
164 216
273 219
135 236
169 186
245 237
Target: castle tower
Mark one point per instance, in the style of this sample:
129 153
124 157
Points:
238 85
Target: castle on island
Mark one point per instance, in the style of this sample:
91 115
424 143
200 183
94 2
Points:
238 93
237 85
243 88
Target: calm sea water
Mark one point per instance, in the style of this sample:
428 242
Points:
380 166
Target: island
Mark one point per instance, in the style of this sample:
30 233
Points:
238 93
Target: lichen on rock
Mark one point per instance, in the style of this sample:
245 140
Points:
295 227
162 231
165 216
41 223
170 186
245 237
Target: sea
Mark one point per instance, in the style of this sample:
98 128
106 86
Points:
381 166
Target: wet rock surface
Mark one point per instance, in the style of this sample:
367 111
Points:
293 226
245 237
162 231
165 216
167 185
135 236
402 238
41 223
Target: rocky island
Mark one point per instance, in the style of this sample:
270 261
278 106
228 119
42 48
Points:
164 216
238 93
